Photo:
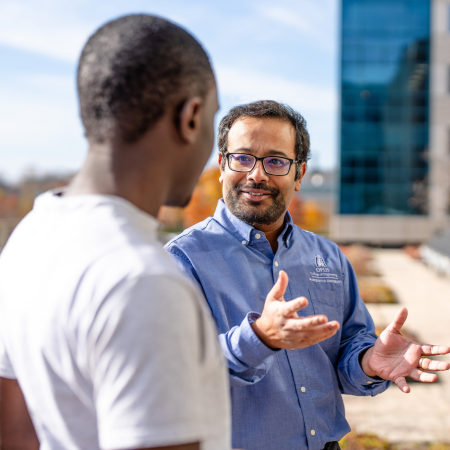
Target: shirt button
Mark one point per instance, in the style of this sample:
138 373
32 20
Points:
303 389
244 242
258 236
370 382
276 264
313 432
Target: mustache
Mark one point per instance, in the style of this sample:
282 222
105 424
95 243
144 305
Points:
262 187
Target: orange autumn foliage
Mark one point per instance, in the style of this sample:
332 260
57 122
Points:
171 217
204 198
307 215
313 218
8 204
296 210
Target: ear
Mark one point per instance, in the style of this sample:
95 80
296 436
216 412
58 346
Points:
221 168
189 119
302 173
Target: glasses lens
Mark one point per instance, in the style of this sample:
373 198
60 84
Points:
276 166
242 163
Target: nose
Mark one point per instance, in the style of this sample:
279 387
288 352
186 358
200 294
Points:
258 173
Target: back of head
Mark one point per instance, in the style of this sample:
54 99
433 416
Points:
132 70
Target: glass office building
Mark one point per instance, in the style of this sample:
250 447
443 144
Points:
384 107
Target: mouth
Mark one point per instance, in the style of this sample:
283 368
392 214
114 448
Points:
255 195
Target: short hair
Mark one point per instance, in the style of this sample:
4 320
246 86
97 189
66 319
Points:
268 108
132 69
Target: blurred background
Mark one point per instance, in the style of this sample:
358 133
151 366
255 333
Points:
372 79
286 51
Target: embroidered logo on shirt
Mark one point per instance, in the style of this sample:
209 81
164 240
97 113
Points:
323 273
320 262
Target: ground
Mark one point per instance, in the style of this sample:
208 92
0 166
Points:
423 415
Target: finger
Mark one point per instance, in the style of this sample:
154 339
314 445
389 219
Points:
317 334
424 377
429 350
304 323
279 288
430 364
295 305
402 385
328 331
396 325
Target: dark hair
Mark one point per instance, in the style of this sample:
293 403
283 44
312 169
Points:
268 108
132 69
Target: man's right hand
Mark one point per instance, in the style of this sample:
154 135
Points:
280 326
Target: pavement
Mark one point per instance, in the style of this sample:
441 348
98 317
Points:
423 415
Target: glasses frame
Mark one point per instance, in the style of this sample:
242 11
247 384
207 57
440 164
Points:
291 161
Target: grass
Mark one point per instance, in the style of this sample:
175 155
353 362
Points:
354 441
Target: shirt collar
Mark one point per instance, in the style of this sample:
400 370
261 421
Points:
243 231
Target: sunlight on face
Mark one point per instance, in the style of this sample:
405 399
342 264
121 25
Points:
256 197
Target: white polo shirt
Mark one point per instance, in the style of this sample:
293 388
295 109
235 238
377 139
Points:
113 348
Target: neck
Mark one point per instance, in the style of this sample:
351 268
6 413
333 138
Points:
124 171
272 232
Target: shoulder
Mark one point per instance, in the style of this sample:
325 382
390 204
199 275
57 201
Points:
131 287
319 246
315 240
199 237
124 265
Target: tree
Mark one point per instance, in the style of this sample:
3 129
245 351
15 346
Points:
204 198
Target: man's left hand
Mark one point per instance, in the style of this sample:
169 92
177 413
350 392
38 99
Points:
393 357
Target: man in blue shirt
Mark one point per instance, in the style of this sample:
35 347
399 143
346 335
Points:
293 345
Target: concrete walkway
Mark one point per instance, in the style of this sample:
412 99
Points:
423 415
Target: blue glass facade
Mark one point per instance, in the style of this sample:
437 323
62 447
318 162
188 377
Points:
384 107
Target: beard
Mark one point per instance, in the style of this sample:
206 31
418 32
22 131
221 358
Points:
254 213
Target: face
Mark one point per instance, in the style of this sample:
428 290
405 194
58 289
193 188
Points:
195 157
255 197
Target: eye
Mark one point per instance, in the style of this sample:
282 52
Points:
243 159
276 162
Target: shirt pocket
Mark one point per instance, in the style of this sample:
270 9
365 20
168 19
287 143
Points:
328 301
331 304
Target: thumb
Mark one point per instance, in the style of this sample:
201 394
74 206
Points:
402 385
398 322
279 288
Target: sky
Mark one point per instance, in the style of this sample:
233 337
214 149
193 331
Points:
285 50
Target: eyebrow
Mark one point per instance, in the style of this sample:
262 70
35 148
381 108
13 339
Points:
269 153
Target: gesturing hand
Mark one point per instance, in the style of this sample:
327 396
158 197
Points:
393 357
280 326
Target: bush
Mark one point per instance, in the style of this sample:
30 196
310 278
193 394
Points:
354 441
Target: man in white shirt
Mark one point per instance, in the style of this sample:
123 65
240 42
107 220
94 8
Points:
103 343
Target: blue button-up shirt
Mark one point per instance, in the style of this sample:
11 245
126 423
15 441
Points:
281 399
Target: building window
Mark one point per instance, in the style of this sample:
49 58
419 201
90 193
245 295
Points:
448 18
448 79
448 203
448 140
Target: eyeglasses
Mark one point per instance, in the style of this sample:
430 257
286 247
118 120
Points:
273 165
